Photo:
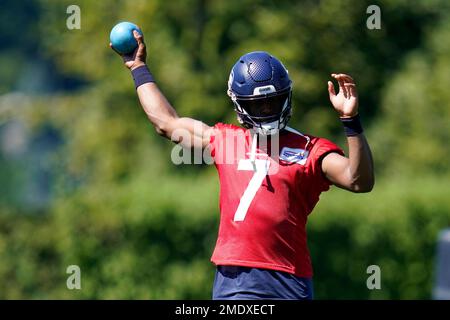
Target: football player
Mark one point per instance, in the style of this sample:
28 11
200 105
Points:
270 186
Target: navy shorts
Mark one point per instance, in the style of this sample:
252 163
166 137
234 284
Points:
242 283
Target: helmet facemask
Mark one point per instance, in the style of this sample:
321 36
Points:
266 114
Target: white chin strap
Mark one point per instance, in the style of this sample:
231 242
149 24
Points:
269 128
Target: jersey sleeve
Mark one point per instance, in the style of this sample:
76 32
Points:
320 149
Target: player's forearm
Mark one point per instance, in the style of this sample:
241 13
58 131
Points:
159 111
360 168
186 131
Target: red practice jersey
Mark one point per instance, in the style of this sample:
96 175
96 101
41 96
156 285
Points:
266 195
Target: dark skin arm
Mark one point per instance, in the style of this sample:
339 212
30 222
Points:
354 173
186 131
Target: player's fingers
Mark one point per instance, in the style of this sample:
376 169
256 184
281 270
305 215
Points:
346 77
139 37
341 85
338 79
331 91
140 52
351 89
349 85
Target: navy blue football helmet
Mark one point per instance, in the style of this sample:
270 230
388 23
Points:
261 91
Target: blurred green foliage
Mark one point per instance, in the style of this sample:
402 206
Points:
140 227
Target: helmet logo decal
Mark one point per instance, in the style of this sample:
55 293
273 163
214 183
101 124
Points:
264 90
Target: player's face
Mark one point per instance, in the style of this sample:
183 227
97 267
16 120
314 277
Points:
265 107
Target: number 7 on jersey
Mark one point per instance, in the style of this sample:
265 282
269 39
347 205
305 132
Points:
260 168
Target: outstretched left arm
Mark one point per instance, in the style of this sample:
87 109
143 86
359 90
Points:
354 173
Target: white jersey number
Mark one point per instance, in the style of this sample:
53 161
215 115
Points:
260 168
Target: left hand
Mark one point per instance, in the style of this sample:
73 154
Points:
346 101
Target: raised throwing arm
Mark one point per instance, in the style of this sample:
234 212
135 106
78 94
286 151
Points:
167 123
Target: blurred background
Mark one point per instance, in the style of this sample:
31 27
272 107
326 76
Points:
86 181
